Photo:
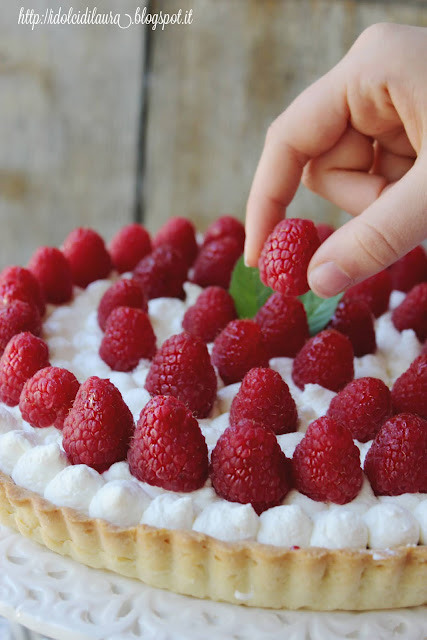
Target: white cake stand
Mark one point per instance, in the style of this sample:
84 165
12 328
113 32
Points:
64 600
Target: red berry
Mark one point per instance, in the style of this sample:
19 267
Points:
213 310
284 325
375 291
225 226
215 262
182 368
409 270
326 359
237 349
285 256
15 318
128 337
326 463
98 429
129 246
46 398
412 312
53 272
248 466
264 397
89 259
24 355
362 406
396 460
162 273
17 283
355 320
168 449
324 231
409 392
123 293
181 235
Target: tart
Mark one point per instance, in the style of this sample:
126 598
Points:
105 519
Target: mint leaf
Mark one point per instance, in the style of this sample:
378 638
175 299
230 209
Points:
247 290
249 294
319 311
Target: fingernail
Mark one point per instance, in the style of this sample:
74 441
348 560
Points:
328 279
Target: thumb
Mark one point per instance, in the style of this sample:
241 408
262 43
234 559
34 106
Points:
388 229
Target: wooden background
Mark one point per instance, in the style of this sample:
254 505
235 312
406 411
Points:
100 126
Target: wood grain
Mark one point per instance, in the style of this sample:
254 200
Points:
68 127
217 85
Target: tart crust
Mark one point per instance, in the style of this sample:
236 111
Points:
245 573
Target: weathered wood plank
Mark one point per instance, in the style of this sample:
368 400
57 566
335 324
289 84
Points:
216 86
69 109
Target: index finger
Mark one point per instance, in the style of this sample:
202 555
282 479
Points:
311 125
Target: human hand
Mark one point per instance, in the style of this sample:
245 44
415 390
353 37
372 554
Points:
358 137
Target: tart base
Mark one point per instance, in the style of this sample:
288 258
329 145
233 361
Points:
244 573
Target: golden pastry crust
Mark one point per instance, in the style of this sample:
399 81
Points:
245 573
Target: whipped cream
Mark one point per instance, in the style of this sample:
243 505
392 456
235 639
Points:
120 501
34 458
74 487
390 525
285 526
38 466
170 512
339 529
228 521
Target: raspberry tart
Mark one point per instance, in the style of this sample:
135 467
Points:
245 469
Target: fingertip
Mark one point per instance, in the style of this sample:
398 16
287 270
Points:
328 279
250 258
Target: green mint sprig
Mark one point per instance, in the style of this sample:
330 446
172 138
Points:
249 295
247 290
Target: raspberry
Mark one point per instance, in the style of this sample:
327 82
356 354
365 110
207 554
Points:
409 270
129 246
326 463
284 325
285 256
180 234
213 310
89 259
182 368
375 291
396 460
215 262
128 337
326 359
162 273
264 397
237 349
123 293
17 317
355 320
225 226
53 272
46 398
247 465
168 449
24 355
362 406
412 312
409 392
324 231
17 283
98 429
